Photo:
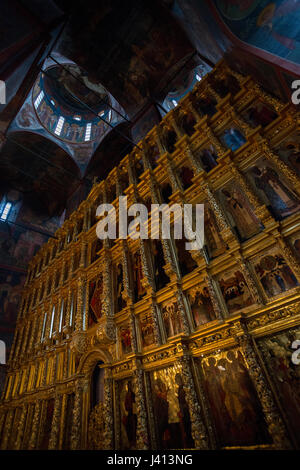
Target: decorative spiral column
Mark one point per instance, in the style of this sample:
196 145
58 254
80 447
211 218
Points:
55 426
199 431
35 425
108 410
76 423
141 412
21 428
7 429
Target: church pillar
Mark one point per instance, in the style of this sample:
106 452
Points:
108 410
289 255
142 420
76 422
207 131
210 282
242 263
21 428
156 327
7 428
212 91
173 118
199 431
35 425
225 230
55 426
80 303
238 120
62 419
196 165
182 308
174 181
271 100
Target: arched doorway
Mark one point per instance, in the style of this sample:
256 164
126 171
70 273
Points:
96 417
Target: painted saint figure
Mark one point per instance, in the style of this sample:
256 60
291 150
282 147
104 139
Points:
96 300
202 307
242 214
128 417
283 201
233 139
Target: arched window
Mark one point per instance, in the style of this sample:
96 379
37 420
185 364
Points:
88 132
2 352
59 125
38 99
5 211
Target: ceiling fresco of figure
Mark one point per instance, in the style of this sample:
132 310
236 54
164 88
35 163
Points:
271 26
133 53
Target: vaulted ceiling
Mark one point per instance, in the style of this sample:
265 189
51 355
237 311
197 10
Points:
135 50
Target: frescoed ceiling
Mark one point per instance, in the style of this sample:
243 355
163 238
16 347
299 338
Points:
133 48
273 27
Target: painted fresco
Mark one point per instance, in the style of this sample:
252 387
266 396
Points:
273 189
172 319
158 262
213 241
119 282
271 26
147 330
277 353
259 114
233 139
237 413
289 151
128 415
95 300
145 123
235 291
201 305
171 411
138 275
208 158
239 211
125 339
274 273
185 260
11 286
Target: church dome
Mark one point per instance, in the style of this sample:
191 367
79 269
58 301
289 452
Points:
69 106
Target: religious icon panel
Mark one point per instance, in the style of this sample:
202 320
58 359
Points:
236 410
171 411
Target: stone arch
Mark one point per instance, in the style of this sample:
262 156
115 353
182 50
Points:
90 359
93 417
